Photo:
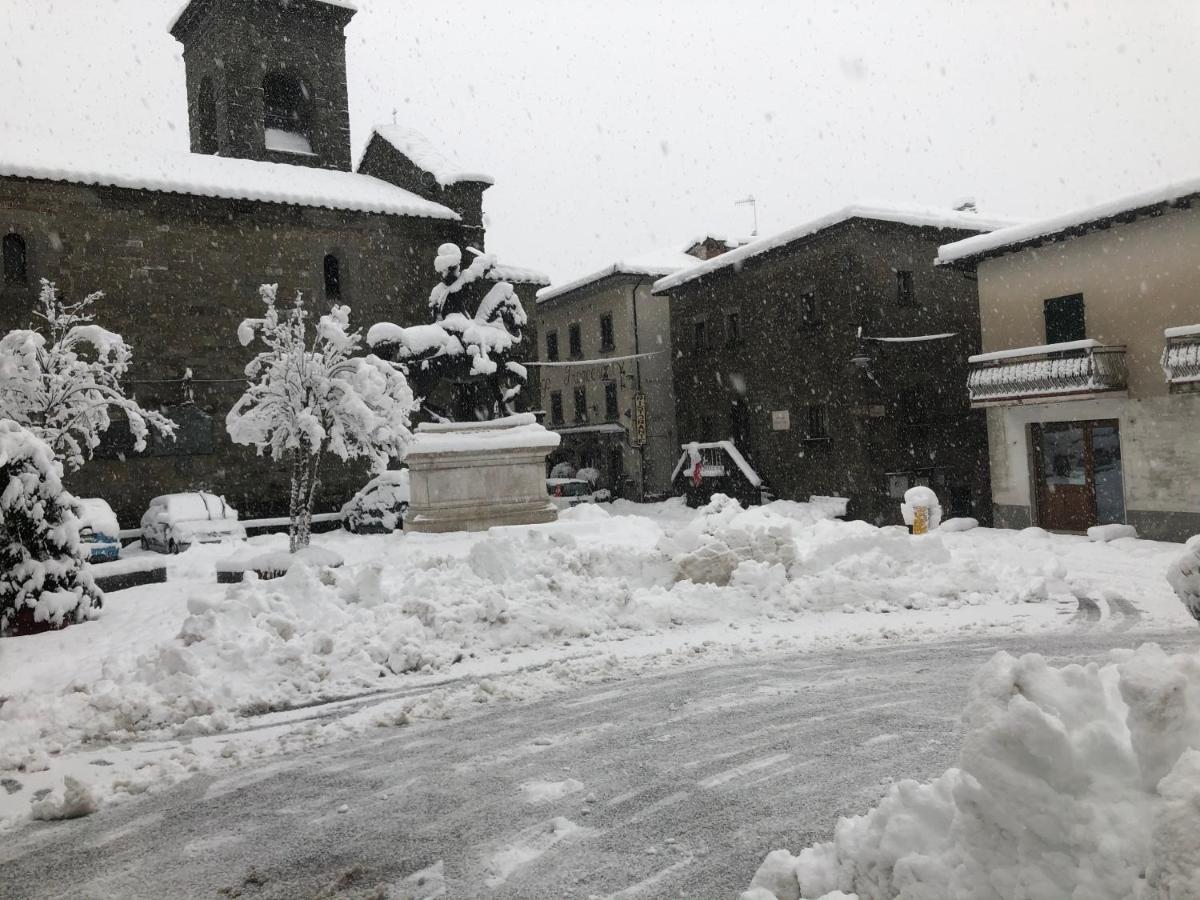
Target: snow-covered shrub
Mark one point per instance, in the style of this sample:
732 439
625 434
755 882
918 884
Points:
589 474
62 385
44 583
304 401
1184 577
563 470
1079 781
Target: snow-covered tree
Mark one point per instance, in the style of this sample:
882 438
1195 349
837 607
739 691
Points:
474 350
307 400
44 583
63 384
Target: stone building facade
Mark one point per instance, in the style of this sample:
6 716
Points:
833 356
605 363
1091 364
180 244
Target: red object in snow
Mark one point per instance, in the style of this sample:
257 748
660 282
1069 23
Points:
696 476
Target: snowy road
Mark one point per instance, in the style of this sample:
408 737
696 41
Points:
672 785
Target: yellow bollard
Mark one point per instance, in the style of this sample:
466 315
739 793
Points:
920 520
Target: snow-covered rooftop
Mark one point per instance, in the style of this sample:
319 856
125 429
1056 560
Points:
351 5
214 176
433 160
1066 225
655 264
923 217
519 275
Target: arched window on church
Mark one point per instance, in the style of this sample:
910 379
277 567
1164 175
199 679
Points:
287 113
15 263
333 278
206 110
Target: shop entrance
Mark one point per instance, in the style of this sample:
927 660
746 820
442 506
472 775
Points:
1078 478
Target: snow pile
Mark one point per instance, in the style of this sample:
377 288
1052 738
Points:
1184 577
1102 534
74 801
1072 782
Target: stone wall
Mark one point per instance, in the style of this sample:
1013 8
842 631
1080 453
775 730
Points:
179 274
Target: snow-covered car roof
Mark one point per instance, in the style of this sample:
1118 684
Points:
393 484
194 506
556 481
97 515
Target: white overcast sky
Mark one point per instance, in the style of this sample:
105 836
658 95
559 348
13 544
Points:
621 126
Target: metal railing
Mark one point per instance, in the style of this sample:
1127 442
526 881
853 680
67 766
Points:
1042 374
1181 362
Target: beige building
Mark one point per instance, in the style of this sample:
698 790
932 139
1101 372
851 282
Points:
604 351
1090 364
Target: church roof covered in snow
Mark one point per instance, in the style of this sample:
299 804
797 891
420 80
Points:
421 151
967 252
214 176
654 264
920 217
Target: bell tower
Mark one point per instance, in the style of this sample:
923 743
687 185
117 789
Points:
266 79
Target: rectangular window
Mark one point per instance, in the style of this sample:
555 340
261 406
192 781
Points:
700 335
733 330
904 289
810 309
581 410
818 427
611 407
552 346
606 334
1064 319
575 338
556 408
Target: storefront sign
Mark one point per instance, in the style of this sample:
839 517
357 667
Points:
639 420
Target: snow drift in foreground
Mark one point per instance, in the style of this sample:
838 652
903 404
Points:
1073 782
418 603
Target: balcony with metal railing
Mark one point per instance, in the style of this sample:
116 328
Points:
1181 359
1074 370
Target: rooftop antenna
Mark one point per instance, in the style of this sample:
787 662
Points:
753 209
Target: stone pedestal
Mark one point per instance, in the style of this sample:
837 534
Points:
471 476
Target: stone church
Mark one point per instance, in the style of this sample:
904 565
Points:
180 243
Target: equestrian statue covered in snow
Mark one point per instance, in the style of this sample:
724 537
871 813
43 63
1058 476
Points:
463 365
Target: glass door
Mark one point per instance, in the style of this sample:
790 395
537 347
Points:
1079 478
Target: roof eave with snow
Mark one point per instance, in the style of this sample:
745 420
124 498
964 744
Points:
918 218
587 281
420 151
969 252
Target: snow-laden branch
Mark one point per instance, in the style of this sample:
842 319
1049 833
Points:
63 384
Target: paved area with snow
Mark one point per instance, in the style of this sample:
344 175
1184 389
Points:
673 784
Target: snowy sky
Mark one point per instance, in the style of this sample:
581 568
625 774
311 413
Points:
620 126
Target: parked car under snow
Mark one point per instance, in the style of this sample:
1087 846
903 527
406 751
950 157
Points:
567 492
176 521
99 531
380 507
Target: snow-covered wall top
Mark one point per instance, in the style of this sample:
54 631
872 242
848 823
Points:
519 275
653 264
215 176
927 218
1059 226
420 150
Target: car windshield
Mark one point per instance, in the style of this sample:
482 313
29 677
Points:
575 489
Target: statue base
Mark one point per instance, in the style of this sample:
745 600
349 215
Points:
472 476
